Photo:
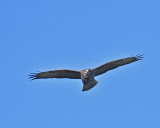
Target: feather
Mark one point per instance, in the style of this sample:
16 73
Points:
62 73
114 64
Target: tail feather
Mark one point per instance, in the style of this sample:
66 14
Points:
89 85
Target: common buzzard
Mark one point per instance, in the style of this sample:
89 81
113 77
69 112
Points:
87 75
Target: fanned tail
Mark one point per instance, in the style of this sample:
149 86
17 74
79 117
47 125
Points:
89 85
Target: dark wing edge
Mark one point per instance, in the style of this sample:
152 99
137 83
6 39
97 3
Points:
62 73
116 63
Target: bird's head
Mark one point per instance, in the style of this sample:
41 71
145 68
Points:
88 72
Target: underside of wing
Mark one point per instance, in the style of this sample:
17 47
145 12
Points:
114 64
62 73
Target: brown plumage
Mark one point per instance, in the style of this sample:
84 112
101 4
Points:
87 75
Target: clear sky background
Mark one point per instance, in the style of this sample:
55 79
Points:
41 35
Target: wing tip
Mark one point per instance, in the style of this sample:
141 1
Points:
33 76
139 56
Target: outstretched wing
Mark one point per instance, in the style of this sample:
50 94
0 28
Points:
114 64
62 73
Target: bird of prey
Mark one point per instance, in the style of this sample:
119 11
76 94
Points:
87 75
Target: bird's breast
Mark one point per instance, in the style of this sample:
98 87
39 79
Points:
86 75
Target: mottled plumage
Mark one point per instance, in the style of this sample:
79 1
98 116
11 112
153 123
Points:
87 75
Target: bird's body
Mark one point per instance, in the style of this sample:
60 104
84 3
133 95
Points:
88 80
87 75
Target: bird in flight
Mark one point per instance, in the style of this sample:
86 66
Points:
87 75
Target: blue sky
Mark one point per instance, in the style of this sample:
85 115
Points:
41 35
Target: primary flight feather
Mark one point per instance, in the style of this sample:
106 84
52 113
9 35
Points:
87 75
